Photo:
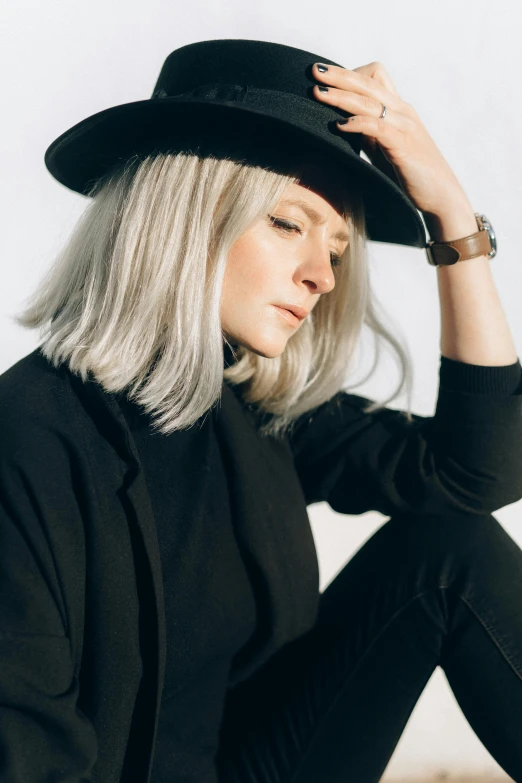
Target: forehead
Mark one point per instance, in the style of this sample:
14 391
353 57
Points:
315 215
318 193
319 182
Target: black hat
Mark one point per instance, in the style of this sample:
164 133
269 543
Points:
248 100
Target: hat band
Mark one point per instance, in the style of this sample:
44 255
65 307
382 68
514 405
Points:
213 90
310 114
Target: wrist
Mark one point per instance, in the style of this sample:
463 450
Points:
453 222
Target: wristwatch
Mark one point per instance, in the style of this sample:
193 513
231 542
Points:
483 243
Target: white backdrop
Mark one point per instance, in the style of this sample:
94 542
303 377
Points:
458 63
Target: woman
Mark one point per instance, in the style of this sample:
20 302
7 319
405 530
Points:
161 618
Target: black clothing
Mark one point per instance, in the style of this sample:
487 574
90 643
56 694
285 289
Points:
421 592
200 558
83 610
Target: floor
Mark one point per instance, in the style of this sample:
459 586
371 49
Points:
450 779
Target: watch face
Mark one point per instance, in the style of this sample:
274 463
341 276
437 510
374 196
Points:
482 219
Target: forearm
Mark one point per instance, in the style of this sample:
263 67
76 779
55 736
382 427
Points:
474 328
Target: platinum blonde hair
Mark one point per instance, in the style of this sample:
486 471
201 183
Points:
134 296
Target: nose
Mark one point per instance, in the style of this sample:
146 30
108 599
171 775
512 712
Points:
317 271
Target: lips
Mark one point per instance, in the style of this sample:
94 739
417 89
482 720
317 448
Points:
299 311
288 316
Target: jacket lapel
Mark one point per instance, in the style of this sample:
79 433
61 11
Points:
106 410
270 520
272 529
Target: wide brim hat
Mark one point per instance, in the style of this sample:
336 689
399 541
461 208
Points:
246 100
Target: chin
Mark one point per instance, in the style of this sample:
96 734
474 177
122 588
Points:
269 349
268 354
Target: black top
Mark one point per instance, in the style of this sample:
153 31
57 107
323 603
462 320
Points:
83 626
201 559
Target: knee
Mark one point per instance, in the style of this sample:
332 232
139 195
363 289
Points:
463 536
444 522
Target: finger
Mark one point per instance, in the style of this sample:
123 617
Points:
363 105
388 138
375 151
377 71
382 130
360 83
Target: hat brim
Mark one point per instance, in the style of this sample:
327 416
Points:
88 150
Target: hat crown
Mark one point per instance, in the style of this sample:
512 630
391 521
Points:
237 64
259 105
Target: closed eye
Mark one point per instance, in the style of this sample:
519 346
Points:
284 225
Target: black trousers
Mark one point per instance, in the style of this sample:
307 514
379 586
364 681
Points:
423 591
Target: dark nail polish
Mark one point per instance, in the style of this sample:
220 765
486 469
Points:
322 68
322 88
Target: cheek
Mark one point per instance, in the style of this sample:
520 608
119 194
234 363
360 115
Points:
254 279
250 269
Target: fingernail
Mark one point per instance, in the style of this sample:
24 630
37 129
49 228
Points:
322 68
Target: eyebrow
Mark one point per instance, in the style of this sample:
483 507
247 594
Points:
314 216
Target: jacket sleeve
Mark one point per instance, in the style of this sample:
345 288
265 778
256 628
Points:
467 457
43 735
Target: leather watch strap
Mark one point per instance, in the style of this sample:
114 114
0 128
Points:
446 253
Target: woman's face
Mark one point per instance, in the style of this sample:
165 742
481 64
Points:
273 264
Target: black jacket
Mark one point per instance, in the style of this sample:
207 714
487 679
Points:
82 623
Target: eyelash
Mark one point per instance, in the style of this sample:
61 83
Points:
285 226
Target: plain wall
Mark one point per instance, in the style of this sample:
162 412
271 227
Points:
458 63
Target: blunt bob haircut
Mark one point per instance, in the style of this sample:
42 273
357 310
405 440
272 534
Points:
133 298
